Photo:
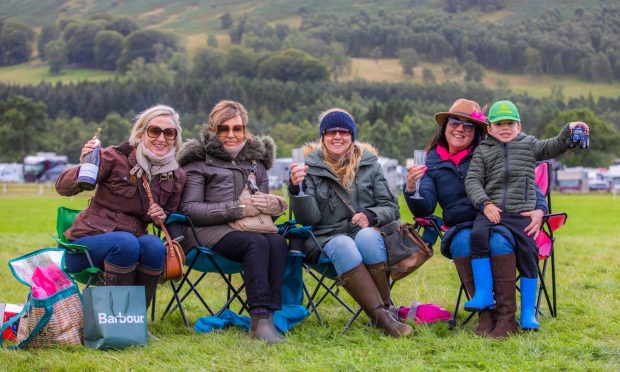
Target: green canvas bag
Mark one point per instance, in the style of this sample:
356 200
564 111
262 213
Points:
114 317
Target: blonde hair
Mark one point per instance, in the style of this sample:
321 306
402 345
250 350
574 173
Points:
144 118
224 111
344 167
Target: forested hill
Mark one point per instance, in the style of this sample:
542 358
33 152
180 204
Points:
286 59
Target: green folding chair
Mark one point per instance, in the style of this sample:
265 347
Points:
64 220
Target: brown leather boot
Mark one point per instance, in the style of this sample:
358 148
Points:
149 279
504 276
116 275
378 273
359 284
486 318
262 328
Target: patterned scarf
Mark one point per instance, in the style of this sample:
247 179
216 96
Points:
152 164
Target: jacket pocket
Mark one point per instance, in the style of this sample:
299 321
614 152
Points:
527 190
121 185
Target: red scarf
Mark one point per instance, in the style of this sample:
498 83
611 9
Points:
455 158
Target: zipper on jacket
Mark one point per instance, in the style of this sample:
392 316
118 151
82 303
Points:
357 191
527 184
505 177
226 209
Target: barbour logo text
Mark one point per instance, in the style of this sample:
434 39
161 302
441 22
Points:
120 319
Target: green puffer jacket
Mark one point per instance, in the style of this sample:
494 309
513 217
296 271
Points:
504 173
321 207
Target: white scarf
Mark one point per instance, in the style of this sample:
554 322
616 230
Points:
152 164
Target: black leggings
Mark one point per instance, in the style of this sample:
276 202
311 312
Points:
526 249
264 258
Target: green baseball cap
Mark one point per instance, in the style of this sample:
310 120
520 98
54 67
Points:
503 110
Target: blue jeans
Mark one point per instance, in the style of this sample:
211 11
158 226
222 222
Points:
118 248
461 244
346 254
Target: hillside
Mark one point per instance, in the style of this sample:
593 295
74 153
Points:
195 16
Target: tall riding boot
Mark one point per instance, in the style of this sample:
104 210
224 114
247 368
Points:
378 273
529 287
483 286
486 318
116 275
262 327
504 276
149 278
359 284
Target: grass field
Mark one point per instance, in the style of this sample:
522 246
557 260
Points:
584 336
389 70
26 74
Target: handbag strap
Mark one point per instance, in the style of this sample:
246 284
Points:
149 195
341 195
112 305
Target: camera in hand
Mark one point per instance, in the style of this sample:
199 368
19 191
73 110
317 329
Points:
579 138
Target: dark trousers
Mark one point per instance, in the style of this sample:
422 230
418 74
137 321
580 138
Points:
264 258
526 250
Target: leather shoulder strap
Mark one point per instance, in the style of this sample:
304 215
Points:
341 195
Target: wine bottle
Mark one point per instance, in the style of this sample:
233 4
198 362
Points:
89 168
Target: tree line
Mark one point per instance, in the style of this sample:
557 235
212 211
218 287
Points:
585 44
396 118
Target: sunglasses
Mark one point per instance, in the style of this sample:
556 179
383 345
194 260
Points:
155 131
225 129
455 123
333 132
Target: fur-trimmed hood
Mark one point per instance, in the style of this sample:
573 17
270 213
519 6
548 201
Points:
258 148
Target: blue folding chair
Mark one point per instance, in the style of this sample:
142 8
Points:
204 261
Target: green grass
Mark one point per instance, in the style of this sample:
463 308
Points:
584 336
25 74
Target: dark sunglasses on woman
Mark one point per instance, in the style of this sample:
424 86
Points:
225 129
455 123
154 132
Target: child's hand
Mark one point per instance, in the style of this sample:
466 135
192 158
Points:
492 213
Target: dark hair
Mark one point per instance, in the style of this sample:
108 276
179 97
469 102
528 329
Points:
440 137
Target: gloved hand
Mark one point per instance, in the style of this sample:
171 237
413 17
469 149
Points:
249 209
272 205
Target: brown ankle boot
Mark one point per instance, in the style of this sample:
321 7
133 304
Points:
486 318
359 284
262 328
149 279
116 275
504 276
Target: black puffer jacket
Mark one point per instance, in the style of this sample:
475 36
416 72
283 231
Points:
215 181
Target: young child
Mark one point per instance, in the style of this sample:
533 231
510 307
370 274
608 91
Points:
501 182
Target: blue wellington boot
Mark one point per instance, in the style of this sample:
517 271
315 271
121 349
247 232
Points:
483 286
529 287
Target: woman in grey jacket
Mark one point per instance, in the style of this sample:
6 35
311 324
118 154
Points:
339 165
217 167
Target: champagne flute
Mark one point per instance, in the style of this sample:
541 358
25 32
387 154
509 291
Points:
419 158
298 157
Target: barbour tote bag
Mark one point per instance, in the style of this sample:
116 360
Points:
114 317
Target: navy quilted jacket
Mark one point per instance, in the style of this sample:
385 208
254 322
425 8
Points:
444 183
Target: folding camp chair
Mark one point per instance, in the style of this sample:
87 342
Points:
203 260
64 220
324 273
92 274
545 242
